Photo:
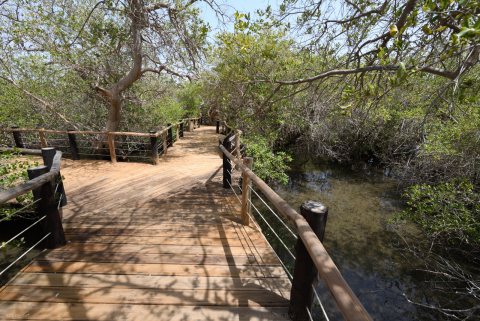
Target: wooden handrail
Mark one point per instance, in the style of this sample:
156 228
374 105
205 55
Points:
32 184
105 136
42 185
26 151
95 132
347 302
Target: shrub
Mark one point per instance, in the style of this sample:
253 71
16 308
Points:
13 172
448 210
267 164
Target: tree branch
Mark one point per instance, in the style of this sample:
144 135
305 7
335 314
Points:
135 72
44 103
337 72
167 70
378 10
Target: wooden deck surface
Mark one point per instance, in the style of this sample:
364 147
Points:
152 243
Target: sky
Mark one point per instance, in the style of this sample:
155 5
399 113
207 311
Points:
230 6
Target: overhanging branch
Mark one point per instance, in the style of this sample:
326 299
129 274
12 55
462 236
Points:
339 72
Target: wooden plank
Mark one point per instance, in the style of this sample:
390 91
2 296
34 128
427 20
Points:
159 240
280 286
107 257
130 312
197 228
163 249
156 269
194 219
153 231
205 297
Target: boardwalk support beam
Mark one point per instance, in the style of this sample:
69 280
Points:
305 273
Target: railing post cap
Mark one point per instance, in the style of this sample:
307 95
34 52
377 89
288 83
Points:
40 168
314 207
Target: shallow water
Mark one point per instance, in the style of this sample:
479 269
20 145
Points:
369 253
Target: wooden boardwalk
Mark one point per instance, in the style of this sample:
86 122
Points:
152 243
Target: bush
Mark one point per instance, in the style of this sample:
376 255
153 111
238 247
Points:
13 172
268 165
448 210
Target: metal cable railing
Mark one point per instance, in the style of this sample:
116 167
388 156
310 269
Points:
274 214
24 253
4 245
94 144
273 231
309 226
46 185
20 210
276 234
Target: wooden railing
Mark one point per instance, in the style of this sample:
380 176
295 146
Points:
48 199
101 144
311 256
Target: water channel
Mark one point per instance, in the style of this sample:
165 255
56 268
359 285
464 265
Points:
370 253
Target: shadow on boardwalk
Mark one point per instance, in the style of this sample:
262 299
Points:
152 243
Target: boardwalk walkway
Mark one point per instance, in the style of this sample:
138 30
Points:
152 243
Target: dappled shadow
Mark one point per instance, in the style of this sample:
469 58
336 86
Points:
153 243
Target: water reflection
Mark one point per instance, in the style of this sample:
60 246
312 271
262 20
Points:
360 240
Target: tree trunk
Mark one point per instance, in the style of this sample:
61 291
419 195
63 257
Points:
114 112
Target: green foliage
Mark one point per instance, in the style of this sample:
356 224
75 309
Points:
13 171
267 165
239 88
189 97
168 110
448 211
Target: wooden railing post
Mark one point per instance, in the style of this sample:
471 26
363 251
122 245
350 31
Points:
218 127
190 125
181 127
48 153
72 142
111 147
43 140
17 137
305 272
227 169
246 193
154 147
165 143
227 165
177 133
47 205
170 135
238 153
